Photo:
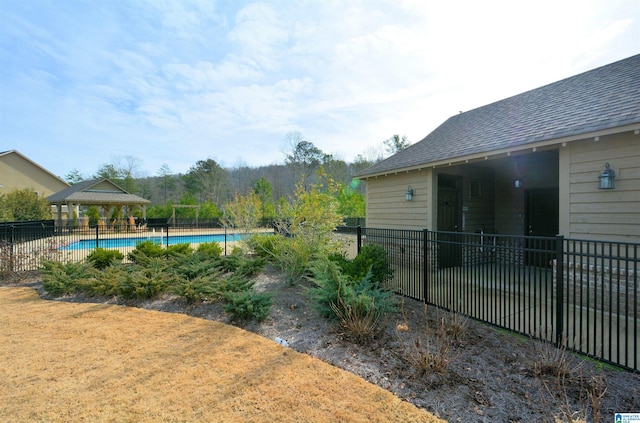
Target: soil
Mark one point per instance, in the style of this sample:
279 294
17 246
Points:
486 375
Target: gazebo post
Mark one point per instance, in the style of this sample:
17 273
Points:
69 217
59 217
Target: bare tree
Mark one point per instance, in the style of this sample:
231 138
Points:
122 170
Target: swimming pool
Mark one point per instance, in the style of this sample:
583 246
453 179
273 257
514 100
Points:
86 244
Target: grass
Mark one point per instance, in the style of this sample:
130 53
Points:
95 362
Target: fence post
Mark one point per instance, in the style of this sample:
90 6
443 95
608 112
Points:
12 243
359 237
425 264
166 227
97 232
559 288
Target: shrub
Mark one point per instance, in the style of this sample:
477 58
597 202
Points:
100 258
146 282
244 212
229 263
358 304
211 249
61 279
228 284
554 360
358 317
308 225
195 265
431 354
263 245
94 215
195 290
372 258
247 305
241 265
292 256
105 282
137 285
24 204
178 250
250 267
146 250
434 350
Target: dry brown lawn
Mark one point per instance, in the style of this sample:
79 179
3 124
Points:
94 362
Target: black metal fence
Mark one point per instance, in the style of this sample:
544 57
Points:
580 294
24 247
576 293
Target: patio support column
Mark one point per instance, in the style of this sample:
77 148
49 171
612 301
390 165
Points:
109 213
69 217
59 217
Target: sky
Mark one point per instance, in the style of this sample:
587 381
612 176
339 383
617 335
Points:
85 83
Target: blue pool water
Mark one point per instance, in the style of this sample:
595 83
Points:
132 242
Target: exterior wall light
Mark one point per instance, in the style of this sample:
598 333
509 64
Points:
408 196
607 178
517 183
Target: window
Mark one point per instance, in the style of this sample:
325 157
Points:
475 189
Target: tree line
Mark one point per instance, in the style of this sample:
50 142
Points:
213 187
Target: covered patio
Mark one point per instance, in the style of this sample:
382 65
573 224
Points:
107 196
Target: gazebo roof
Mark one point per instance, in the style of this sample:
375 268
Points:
96 192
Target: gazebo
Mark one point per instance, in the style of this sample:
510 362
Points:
96 192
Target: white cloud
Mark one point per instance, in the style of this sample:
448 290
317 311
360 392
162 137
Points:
174 81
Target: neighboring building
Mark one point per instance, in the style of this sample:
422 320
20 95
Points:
101 193
530 164
17 172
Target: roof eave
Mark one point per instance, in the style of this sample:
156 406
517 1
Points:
519 149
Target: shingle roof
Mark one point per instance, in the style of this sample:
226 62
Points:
599 99
81 193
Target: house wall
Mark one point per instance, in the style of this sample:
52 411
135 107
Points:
477 197
591 213
386 205
535 170
509 205
18 173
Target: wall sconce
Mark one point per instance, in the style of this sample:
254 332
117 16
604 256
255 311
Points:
517 183
607 177
408 196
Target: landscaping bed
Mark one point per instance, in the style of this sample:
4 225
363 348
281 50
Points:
478 373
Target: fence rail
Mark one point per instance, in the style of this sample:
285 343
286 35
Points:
26 247
580 294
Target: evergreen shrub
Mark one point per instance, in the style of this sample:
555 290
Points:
247 305
61 278
100 258
211 249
